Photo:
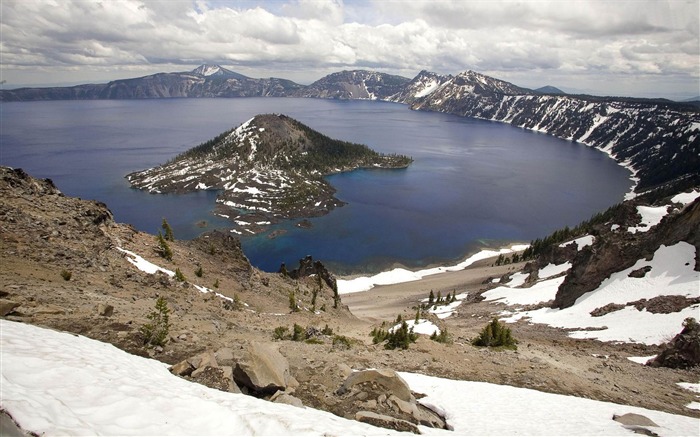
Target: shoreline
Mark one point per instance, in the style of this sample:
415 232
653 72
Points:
357 284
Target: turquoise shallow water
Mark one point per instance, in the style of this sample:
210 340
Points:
473 183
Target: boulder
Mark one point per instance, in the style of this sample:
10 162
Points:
386 422
215 377
632 419
262 369
281 397
105 310
418 412
201 361
390 380
683 351
7 306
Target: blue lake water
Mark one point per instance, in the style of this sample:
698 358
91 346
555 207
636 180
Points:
473 183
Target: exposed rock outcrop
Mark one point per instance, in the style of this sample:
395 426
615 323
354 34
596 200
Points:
683 351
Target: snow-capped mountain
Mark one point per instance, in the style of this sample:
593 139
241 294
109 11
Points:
207 70
659 140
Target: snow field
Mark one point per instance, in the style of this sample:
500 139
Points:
671 274
651 216
398 275
57 383
542 291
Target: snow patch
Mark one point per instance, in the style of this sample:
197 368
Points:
651 216
686 198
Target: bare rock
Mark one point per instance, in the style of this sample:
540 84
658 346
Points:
262 369
633 419
683 351
281 397
183 368
7 307
390 380
386 422
105 310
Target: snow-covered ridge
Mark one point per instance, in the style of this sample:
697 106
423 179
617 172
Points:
656 142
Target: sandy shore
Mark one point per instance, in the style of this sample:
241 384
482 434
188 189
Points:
384 302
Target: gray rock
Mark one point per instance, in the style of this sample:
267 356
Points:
390 380
7 306
281 397
262 369
105 310
632 419
386 422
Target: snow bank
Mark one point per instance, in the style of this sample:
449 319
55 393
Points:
143 265
423 326
445 311
581 242
641 360
686 198
553 270
398 275
60 384
543 291
472 408
651 216
671 274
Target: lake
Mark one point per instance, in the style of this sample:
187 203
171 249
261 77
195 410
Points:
473 184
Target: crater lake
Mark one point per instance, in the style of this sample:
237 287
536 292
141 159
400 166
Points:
473 184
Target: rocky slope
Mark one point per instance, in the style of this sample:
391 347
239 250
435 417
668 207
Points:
271 166
106 293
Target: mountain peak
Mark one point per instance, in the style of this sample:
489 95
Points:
212 70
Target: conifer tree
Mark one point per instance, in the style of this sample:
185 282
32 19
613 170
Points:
163 248
168 231
431 298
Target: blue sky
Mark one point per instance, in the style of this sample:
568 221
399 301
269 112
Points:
638 48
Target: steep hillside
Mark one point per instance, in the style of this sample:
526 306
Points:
660 140
358 84
271 165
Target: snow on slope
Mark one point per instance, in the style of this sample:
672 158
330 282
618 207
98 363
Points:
399 275
471 408
57 383
60 384
671 274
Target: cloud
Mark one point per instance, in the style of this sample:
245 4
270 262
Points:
307 38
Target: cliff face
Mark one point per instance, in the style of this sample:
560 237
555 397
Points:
615 251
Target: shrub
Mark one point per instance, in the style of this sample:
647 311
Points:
163 248
199 272
442 337
281 333
293 302
216 283
179 276
66 275
327 331
314 340
155 332
401 337
342 342
298 333
378 335
495 334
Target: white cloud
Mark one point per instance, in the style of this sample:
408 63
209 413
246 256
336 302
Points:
545 42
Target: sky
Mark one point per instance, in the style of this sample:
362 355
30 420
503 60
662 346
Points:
632 48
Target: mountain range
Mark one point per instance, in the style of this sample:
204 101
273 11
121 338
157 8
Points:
659 140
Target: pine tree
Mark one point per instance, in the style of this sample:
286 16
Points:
168 231
179 276
199 272
293 302
417 319
431 298
163 248
156 331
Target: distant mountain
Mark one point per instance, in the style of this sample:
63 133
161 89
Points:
658 138
203 81
271 165
692 99
358 84
549 90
